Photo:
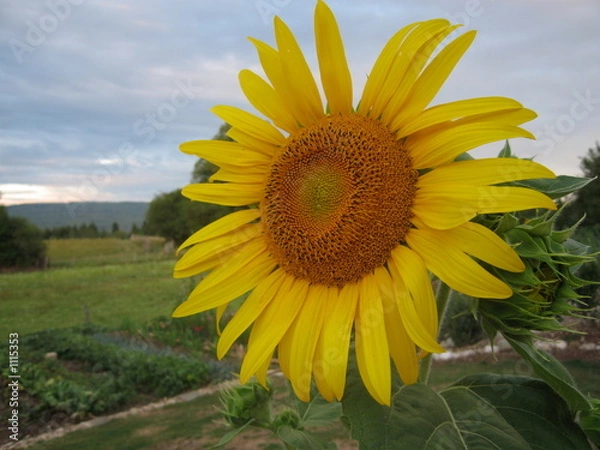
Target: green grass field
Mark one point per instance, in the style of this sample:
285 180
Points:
102 295
92 252
99 282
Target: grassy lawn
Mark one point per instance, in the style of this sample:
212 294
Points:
104 295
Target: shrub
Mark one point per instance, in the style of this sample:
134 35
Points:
21 243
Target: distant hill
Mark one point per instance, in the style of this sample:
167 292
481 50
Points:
103 214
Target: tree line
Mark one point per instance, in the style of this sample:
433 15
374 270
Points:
89 231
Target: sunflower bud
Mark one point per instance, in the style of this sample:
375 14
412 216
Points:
545 290
247 402
287 417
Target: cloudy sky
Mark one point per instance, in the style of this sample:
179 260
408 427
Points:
96 95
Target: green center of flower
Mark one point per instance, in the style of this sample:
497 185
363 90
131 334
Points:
338 200
322 188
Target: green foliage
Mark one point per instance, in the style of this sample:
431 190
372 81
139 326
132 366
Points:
462 325
479 411
21 243
552 372
166 217
111 371
585 201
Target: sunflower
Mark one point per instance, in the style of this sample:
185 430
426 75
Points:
351 208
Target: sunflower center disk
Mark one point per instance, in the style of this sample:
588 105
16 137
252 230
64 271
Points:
338 200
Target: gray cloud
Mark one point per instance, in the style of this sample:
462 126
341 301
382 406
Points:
96 96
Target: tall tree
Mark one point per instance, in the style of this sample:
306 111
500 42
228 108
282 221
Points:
587 200
21 242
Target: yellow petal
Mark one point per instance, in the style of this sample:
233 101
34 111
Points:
335 75
481 172
303 336
250 142
272 324
261 372
456 110
271 63
321 380
416 322
252 307
207 249
381 69
249 123
484 244
454 267
219 315
242 273
334 343
205 264
413 271
228 194
448 206
224 153
222 226
431 80
412 57
372 350
297 73
241 176
441 147
267 100
402 348
514 117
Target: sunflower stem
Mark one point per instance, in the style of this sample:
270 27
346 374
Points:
442 298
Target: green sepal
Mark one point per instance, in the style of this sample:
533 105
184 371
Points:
590 422
553 187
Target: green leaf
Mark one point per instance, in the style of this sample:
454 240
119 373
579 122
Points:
320 412
552 372
479 412
554 187
301 440
420 418
231 434
530 406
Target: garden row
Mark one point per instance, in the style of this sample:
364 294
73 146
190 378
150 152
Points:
70 375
